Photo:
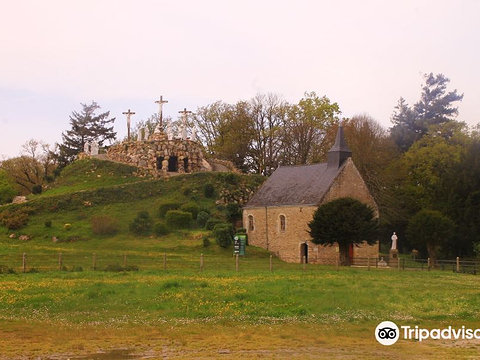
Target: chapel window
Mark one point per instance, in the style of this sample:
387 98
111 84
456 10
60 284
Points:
282 223
251 226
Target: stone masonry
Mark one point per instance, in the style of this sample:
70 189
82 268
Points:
159 156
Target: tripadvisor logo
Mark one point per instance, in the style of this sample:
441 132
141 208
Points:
387 333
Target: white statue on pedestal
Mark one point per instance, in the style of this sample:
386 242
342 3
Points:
394 241
183 132
86 148
147 133
169 131
194 134
94 148
139 135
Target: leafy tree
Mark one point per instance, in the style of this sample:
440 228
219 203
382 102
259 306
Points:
7 188
344 221
86 126
430 229
434 107
33 167
461 200
306 127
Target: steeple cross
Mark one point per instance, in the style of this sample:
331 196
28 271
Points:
129 113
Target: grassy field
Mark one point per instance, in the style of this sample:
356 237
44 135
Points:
278 313
186 312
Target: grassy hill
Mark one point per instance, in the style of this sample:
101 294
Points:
89 190
184 311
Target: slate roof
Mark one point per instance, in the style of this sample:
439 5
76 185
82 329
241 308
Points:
295 185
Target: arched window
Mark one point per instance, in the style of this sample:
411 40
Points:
282 223
251 225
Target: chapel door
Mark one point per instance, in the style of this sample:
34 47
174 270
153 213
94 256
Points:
304 252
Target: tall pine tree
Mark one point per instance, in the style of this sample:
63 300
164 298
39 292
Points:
86 126
434 107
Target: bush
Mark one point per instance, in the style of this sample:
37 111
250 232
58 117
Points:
178 219
160 229
202 218
191 208
206 242
14 220
165 207
210 224
118 268
104 225
234 211
37 189
142 224
186 190
6 270
208 190
223 234
48 223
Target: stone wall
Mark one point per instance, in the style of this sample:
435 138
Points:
287 244
144 155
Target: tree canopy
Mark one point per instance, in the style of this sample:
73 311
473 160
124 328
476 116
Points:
436 106
430 229
86 126
344 221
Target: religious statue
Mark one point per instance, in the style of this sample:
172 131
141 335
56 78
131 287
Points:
94 148
394 241
86 147
194 134
140 135
183 132
169 131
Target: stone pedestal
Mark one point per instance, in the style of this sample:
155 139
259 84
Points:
393 258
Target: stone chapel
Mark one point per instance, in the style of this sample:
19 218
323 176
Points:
277 216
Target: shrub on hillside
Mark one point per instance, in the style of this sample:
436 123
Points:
104 225
14 220
202 218
208 190
160 229
37 189
186 190
234 212
191 208
178 219
142 224
210 224
223 234
206 242
165 207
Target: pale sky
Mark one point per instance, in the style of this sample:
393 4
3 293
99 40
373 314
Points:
123 54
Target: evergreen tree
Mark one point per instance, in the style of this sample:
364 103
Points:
435 107
344 221
86 126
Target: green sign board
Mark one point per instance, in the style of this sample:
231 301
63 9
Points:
239 244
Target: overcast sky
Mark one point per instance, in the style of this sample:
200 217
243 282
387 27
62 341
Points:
363 55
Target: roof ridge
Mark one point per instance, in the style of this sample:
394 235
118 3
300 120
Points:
292 166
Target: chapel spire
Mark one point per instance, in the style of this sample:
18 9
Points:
339 151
